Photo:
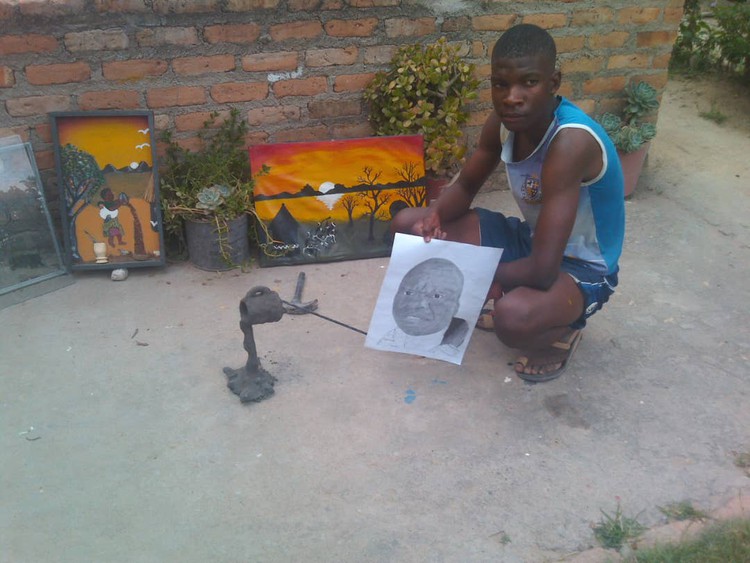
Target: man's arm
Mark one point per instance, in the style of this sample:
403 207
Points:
456 199
573 157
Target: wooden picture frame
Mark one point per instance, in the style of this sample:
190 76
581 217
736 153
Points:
109 189
327 201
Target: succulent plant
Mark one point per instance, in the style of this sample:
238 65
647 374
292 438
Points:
627 132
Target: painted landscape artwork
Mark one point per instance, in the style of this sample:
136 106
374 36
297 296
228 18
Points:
109 188
334 200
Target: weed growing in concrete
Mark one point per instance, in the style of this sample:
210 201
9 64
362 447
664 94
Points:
682 511
714 114
724 542
615 529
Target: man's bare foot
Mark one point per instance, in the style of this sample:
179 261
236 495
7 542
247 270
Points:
549 363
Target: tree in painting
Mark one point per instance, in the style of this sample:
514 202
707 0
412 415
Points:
348 203
82 179
415 196
373 198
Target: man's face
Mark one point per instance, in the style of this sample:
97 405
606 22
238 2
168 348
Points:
523 91
427 298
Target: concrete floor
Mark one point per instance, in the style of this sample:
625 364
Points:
140 453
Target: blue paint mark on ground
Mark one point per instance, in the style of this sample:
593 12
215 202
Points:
411 396
439 381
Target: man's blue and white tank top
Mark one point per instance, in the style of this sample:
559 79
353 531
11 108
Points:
599 229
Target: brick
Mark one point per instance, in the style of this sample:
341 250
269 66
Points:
331 57
609 40
175 96
380 54
656 38
96 40
351 131
319 133
239 92
566 89
37 105
661 61
373 3
242 33
7 78
199 120
203 65
185 6
52 8
296 30
588 106
322 109
109 99
121 6
479 49
351 28
658 81
44 132
247 5
638 15
631 60
478 118
604 85
272 115
133 69
63 73
256 138
499 22
352 82
45 159
452 25
569 44
592 17
182 36
547 21
673 15
29 43
404 27
301 87
303 5
582 64
6 11
22 132
263 62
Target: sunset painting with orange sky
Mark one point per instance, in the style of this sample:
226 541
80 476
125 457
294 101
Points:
322 166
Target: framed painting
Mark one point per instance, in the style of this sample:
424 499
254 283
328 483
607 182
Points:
109 189
29 250
334 200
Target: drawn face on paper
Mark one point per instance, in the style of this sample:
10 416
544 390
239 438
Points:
428 297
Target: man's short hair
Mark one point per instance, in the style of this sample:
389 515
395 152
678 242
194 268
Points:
525 40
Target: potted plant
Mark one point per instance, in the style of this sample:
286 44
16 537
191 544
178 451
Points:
630 135
207 194
424 91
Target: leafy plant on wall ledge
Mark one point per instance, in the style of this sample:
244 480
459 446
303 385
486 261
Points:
630 134
210 191
425 91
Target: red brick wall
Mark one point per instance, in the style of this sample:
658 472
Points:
295 68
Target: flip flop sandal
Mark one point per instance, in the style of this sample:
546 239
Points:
570 345
486 320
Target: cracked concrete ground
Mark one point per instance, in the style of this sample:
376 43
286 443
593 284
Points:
140 453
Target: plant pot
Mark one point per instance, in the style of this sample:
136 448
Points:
204 249
632 166
434 184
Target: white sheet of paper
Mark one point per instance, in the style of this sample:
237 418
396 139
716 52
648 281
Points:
431 297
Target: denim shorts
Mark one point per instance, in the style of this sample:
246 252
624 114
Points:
514 237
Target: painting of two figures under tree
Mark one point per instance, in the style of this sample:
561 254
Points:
334 200
108 186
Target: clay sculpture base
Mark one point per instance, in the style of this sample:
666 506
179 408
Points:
251 386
